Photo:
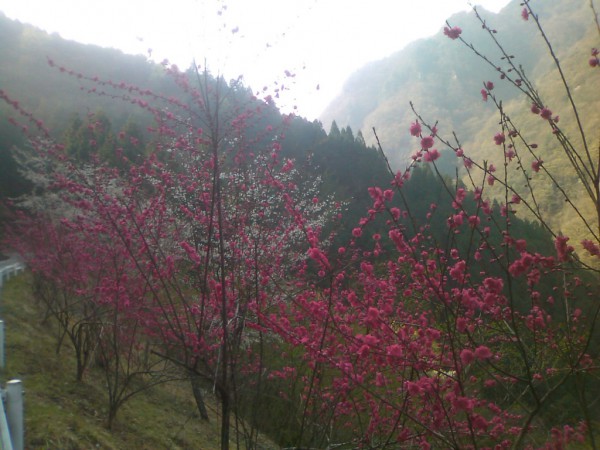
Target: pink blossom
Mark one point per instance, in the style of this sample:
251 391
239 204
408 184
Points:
484 95
546 113
525 14
592 248
562 249
363 351
432 155
452 33
489 85
394 350
461 324
372 315
415 129
480 422
535 165
482 352
463 403
489 383
499 138
535 109
357 232
427 142
413 388
467 356
594 61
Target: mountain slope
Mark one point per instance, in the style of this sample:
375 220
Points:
443 79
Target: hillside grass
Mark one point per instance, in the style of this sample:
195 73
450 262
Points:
61 413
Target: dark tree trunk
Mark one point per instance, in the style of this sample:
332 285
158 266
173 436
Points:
197 391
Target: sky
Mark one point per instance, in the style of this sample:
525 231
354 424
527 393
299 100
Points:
310 47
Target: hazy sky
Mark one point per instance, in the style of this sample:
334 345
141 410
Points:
321 42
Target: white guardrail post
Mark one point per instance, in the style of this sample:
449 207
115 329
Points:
14 413
2 359
12 430
5 440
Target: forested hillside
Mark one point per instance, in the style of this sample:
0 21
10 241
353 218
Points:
69 107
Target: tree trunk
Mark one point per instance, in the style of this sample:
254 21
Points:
197 391
225 421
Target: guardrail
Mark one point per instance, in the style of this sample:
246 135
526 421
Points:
12 435
11 267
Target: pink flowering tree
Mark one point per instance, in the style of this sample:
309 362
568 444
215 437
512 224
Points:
479 339
186 250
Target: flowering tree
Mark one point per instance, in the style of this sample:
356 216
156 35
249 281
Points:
476 340
183 250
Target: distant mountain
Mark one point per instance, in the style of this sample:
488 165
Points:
26 75
443 78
